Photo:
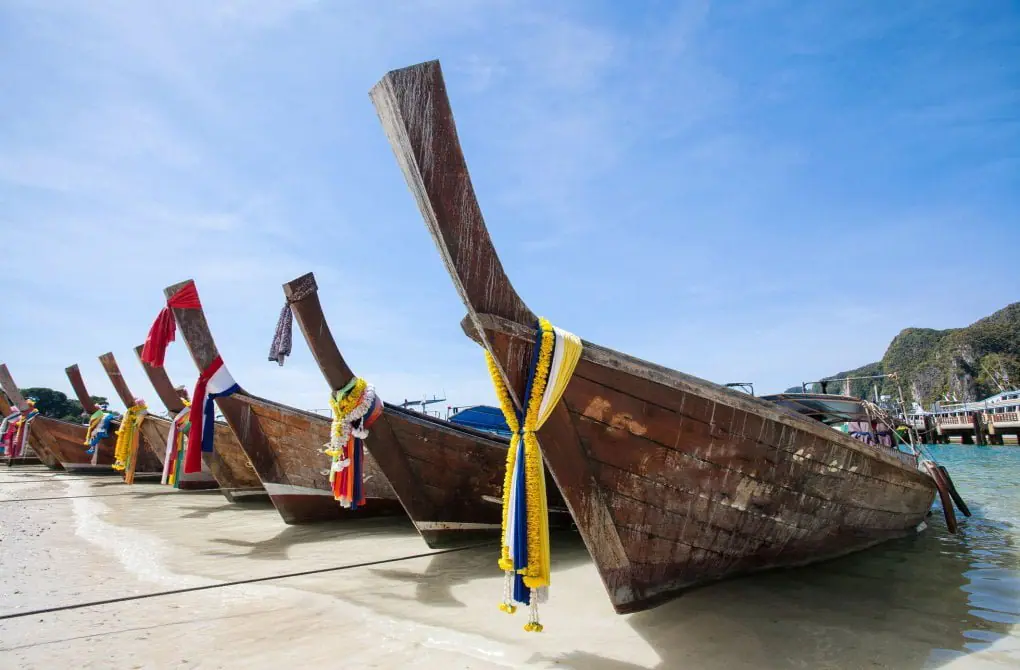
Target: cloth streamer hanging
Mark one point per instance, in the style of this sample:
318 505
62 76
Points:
7 430
164 327
284 335
20 442
282 339
172 441
214 382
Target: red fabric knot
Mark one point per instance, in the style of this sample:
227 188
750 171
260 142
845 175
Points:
193 452
164 327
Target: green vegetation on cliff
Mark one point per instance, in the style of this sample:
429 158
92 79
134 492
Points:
964 364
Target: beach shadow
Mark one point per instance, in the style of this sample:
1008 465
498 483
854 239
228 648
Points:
433 586
193 512
106 484
278 547
909 603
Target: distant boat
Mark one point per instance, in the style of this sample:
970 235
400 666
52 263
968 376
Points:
482 417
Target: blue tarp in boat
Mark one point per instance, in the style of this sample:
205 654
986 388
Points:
482 417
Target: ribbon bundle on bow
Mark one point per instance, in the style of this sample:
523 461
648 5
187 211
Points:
524 554
99 428
23 428
174 456
214 382
8 428
127 439
163 329
355 408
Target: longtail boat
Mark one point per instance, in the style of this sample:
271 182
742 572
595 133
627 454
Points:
150 444
17 452
63 439
673 481
274 437
226 467
446 476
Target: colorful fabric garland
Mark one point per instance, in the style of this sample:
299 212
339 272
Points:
127 439
524 553
355 408
98 430
176 443
214 382
23 428
8 429
163 329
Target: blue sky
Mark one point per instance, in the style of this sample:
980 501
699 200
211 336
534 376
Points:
764 191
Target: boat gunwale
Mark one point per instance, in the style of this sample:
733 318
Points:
414 417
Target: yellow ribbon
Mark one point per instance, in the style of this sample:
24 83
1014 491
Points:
539 405
127 436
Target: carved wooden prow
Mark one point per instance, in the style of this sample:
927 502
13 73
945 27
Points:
109 363
415 112
11 389
194 330
5 404
80 390
160 381
303 295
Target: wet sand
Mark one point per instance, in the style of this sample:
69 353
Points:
905 605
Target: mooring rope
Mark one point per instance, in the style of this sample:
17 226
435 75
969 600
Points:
90 478
239 582
132 493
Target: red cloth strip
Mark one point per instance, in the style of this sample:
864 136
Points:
193 454
165 327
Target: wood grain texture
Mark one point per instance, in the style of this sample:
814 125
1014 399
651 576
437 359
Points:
672 480
161 383
80 390
295 469
441 472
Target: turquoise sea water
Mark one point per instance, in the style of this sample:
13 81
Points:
978 569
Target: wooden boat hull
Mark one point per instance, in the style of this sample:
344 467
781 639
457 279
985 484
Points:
672 481
444 478
672 488
448 477
230 467
294 472
67 442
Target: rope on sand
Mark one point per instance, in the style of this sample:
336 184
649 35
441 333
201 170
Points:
239 582
133 493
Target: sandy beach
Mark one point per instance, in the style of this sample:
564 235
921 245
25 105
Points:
70 540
